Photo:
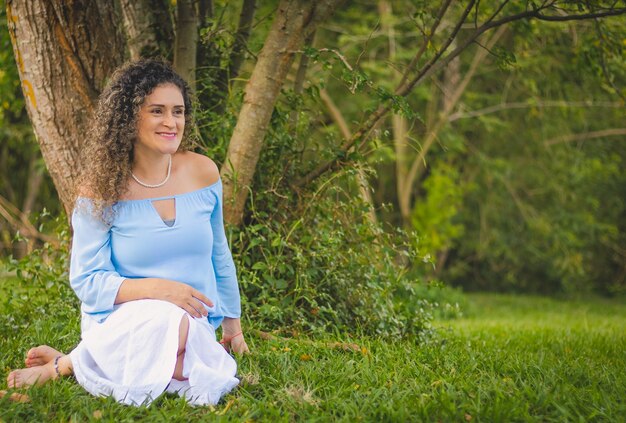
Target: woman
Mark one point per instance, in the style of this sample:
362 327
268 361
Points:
150 261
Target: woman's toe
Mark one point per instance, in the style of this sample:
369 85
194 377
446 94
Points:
11 380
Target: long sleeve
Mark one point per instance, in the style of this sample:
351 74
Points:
92 275
225 272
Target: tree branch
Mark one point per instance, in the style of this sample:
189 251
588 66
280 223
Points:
603 66
442 11
404 89
528 104
210 58
586 136
365 129
19 221
205 10
579 17
298 84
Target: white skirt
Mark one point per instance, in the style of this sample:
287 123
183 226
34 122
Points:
132 354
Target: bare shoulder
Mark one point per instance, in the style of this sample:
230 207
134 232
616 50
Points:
200 168
84 191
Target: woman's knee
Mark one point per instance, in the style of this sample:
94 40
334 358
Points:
183 331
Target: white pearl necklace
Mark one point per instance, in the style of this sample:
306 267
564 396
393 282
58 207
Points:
169 171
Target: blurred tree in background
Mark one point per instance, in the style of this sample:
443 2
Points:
542 153
512 169
368 147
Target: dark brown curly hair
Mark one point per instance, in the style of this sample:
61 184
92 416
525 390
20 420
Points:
109 149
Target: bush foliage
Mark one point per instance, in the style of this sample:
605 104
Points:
331 270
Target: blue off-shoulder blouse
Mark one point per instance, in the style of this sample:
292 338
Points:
137 243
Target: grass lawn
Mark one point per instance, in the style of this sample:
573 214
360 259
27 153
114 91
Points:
510 359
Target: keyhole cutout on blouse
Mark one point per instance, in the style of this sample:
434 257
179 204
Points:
166 210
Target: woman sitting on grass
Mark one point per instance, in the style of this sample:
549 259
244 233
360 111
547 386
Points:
150 260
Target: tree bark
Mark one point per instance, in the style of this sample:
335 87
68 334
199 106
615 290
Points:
58 46
148 27
241 37
294 21
186 43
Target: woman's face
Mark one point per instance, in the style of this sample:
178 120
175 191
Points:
161 120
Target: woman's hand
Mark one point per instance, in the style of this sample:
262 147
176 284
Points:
189 299
184 296
232 336
238 345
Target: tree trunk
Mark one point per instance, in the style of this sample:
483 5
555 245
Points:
400 131
186 41
241 37
298 84
399 124
59 49
295 20
205 11
35 179
148 26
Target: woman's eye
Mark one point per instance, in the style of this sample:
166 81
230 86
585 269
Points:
179 112
156 111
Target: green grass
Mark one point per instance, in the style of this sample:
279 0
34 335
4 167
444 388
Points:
510 359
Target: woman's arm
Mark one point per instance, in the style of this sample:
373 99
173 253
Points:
206 173
223 264
189 299
226 280
93 277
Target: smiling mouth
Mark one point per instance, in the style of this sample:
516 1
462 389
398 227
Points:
167 134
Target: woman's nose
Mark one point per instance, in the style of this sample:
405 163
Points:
168 119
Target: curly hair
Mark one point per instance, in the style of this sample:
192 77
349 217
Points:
109 150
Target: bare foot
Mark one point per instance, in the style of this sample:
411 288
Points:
34 375
15 396
41 355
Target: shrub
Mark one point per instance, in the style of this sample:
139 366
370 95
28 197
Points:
41 304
